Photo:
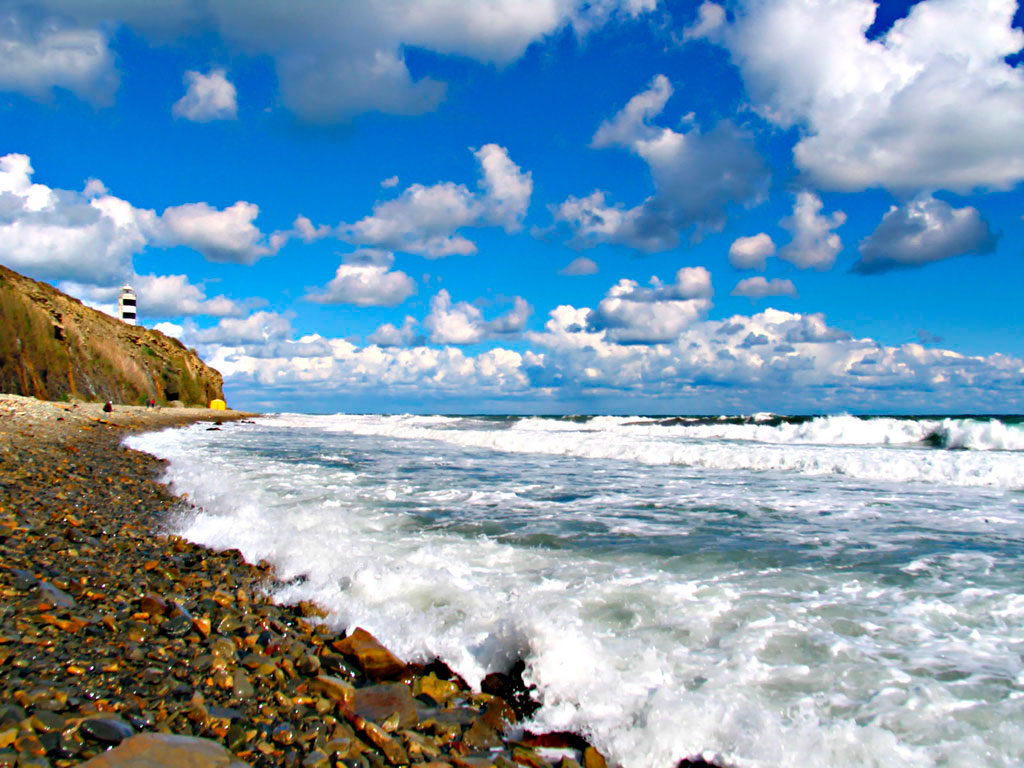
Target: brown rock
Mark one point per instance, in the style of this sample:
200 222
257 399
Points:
375 660
333 688
391 748
593 759
439 690
481 736
158 750
379 702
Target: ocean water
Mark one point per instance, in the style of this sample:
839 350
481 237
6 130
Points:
763 591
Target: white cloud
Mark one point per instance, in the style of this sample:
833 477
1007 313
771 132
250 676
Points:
425 220
789 359
391 181
173 330
629 314
59 234
923 231
227 235
507 188
751 252
387 335
257 328
158 296
463 323
710 19
581 265
758 288
696 175
332 60
365 280
814 243
459 323
209 97
175 296
932 104
39 57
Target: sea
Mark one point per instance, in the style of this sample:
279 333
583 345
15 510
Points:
762 591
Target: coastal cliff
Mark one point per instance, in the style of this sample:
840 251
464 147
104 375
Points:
54 347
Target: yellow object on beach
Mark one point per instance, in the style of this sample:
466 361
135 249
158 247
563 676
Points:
218 405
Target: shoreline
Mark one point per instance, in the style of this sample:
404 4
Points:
112 628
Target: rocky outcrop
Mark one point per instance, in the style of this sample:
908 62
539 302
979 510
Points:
54 347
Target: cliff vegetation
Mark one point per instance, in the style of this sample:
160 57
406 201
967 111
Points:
53 347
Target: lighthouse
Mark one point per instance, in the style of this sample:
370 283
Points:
126 305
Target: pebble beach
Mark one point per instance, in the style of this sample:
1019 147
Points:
119 640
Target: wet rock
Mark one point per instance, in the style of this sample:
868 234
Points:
179 626
106 730
333 688
373 658
593 759
481 736
159 750
283 734
241 687
47 722
309 665
380 702
438 690
11 713
154 605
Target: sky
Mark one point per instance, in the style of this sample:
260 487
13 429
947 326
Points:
543 206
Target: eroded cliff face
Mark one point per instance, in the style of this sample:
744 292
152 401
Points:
52 347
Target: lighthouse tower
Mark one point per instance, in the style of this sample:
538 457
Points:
126 305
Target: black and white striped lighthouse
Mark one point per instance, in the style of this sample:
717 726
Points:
126 305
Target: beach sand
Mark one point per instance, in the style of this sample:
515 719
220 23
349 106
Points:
109 628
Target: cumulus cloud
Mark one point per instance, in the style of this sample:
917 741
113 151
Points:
58 234
631 314
87 241
932 104
332 61
257 328
209 97
388 335
758 288
507 189
463 323
42 55
365 279
799 360
390 181
158 296
814 244
425 220
227 235
710 19
751 252
923 231
696 176
581 265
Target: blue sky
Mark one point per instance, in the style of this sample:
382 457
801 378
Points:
556 206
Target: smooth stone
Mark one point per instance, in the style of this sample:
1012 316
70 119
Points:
593 759
11 713
375 660
154 605
179 626
242 688
160 750
481 736
44 721
283 734
379 702
106 730
333 688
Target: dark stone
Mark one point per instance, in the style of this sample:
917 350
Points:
179 626
511 687
47 722
11 713
106 730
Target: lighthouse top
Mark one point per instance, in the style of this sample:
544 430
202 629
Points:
126 305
